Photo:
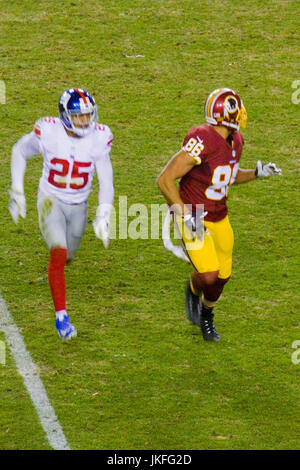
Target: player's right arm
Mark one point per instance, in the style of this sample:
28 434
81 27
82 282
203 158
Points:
26 147
178 166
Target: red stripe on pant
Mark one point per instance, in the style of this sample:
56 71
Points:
56 277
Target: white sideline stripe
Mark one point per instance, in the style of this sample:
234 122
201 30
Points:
31 377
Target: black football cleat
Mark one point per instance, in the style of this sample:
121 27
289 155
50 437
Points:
192 305
209 332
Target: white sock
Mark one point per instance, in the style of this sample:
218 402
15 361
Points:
60 314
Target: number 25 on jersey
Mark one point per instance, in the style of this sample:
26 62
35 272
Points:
59 176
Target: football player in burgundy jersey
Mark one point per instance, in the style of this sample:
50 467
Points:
73 147
207 164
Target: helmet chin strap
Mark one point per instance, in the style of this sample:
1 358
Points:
80 132
234 127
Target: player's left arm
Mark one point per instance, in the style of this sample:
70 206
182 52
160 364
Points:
261 171
105 196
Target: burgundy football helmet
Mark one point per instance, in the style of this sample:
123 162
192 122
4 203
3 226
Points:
224 107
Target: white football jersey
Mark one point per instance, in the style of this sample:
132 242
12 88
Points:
69 162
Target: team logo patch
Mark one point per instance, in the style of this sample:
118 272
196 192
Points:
231 105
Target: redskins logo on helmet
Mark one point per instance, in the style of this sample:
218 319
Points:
224 107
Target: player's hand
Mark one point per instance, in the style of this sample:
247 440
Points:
17 205
267 169
101 229
195 225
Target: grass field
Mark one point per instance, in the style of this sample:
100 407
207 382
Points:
139 376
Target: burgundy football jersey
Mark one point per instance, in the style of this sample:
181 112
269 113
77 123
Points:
218 163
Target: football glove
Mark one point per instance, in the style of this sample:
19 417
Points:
267 169
195 225
17 205
101 229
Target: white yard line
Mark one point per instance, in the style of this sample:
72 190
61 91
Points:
31 377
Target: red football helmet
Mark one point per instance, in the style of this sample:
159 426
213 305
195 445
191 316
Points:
224 107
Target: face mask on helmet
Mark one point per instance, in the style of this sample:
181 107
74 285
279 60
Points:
78 111
224 107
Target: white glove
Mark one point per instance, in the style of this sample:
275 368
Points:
101 229
268 169
168 244
17 205
195 225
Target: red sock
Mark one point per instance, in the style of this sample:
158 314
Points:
56 277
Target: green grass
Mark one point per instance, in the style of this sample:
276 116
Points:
139 376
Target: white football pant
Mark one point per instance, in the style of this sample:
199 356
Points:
62 225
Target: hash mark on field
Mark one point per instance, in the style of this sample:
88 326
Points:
30 374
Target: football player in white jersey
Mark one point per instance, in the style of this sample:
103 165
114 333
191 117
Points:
73 146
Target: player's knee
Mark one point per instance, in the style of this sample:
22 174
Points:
208 278
58 256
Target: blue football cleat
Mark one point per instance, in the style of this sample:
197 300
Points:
64 328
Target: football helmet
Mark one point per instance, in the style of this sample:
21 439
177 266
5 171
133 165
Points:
72 104
224 107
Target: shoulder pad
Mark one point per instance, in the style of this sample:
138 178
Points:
194 143
50 120
41 123
100 127
104 133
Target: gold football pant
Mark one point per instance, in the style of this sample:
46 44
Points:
214 252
